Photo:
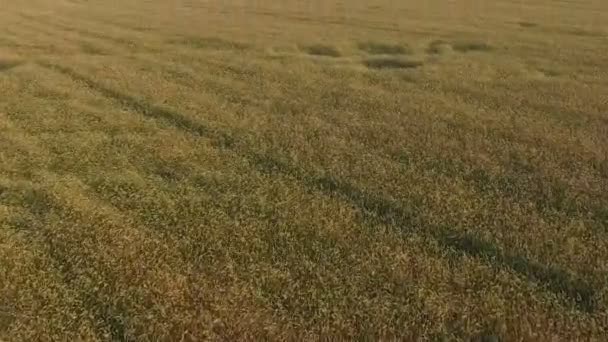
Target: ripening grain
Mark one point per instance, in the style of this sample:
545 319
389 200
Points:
303 170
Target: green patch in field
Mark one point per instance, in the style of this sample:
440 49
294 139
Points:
23 195
6 65
581 32
208 43
437 47
322 50
91 49
376 48
602 167
51 94
473 46
170 171
549 72
391 63
527 24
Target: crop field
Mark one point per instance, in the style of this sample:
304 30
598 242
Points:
175 170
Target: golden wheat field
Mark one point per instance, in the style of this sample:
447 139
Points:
176 170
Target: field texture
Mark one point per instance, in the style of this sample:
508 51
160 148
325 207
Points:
181 170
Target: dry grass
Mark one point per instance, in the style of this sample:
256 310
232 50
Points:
189 170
